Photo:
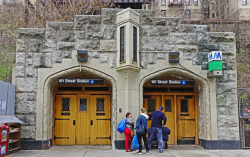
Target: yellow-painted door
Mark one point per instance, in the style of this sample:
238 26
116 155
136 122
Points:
64 119
186 126
169 110
151 103
83 120
100 129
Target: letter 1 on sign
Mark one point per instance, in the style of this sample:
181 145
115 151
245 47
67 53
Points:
153 81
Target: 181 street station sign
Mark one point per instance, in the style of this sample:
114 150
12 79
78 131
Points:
80 81
172 82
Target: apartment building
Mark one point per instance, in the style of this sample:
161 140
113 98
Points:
233 9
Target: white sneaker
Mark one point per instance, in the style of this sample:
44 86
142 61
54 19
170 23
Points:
140 153
147 153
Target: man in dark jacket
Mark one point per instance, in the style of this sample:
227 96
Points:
156 126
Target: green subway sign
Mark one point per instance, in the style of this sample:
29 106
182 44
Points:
215 61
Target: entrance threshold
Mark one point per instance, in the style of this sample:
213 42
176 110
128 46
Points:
80 147
184 147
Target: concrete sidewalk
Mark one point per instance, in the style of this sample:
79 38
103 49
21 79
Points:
105 151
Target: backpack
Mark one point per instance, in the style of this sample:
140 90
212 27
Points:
141 129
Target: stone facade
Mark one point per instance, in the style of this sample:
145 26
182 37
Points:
43 55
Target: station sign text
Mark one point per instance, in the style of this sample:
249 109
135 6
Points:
172 82
80 81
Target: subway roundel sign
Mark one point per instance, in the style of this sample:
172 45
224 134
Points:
215 60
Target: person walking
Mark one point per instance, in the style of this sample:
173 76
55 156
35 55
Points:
156 126
141 122
129 127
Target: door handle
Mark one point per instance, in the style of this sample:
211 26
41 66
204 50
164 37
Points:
74 122
91 122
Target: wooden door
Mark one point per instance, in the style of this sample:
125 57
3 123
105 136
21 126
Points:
169 110
100 129
64 120
151 103
83 120
186 122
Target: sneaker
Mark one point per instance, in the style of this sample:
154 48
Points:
147 152
161 151
140 153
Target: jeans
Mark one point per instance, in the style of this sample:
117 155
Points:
159 138
127 132
139 137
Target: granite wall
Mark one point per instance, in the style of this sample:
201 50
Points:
41 48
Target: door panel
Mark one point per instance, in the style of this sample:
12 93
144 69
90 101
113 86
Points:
151 103
101 120
83 120
169 110
186 120
64 129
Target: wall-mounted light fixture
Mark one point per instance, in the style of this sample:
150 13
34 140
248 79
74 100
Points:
174 57
82 56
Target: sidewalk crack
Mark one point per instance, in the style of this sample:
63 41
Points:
85 153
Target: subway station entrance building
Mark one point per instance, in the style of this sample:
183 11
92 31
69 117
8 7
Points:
75 81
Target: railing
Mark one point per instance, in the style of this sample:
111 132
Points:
175 4
132 1
244 115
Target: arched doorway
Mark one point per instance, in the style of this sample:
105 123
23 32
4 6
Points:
178 96
82 111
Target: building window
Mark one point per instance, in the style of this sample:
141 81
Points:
212 5
179 1
163 2
65 104
187 14
213 25
163 13
187 2
244 2
204 5
151 105
171 1
184 106
196 2
134 44
65 107
205 15
122 44
228 12
213 15
99 104
168 106
83 104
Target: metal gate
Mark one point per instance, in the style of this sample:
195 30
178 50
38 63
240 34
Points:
244 114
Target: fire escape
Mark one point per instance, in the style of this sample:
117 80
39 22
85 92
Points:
175 3
133 4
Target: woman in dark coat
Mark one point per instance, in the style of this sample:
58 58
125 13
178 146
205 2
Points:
142 120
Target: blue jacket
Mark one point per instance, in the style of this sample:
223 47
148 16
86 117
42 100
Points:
139 122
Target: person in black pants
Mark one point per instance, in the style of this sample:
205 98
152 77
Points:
142 120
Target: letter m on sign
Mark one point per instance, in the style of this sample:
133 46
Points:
217 55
